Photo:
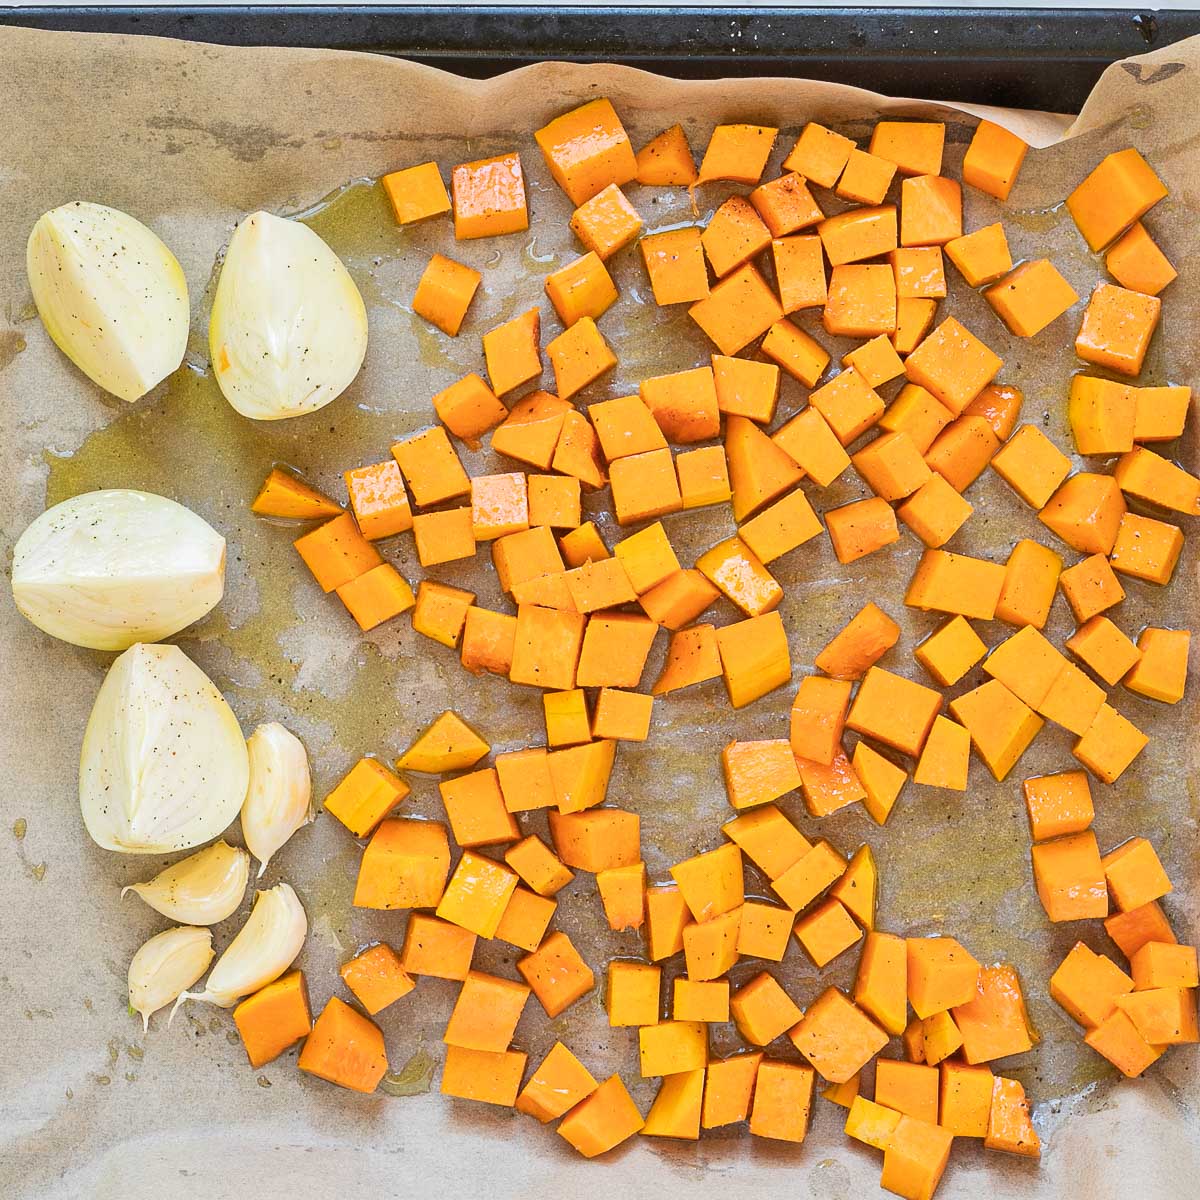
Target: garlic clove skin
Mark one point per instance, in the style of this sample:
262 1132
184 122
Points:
166 966
288 330
164 765
279 797
202 889
264 948
111 568
110 294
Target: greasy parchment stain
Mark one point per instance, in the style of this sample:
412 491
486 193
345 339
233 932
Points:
282 650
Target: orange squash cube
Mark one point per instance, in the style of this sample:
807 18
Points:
1070 877
469 408
782 1101
1058 804
735 235
675 263
486 1012
431 468
866 178
376 978
1135 262
799 274
956 584
861 528
557 1084
436 948
337 553
993 159
738 309
786 205
602 1120
849 405
441 611
837 1037
1001 726
1134 874
556 973
1031 297
859 233
376 596
1032 465
579 356
489 197
531 431
1119 191
684 404
587 149
365 795
345 1048
1161 670
737 152
781 527
800 355
935 512
1086 512
914 146
1146 549
930 210
1117 327
861 301
808 439
953 365
644 486
981 257
894 710
477 894
819 154
274 1018
416 193
666 160
582 288
606 222
444 293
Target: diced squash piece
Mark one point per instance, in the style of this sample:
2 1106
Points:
728 1086
880 987
951 651
602 1120
993 159
582 288
586 149
782 1101
557 973
597 840
489 197
1116 329
995 1023
606 222
557 1084
894 710
416 193
444 293
941 975
623 894
737 152
762 1010
345 1048
273 1018
914 146
477 894
1009 1126
956 583
864 640
1117 192
953 365
377 978
981 256
738 309
820 154
1058 804
284 495
437 948
1031 297
837 1037
754 657
404 865
675 263
337 553
666 159
1086 985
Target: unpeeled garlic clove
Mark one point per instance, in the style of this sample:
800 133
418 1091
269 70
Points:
111 568
288 330
264 948
202 889
110 294
164 764
280 793
166 966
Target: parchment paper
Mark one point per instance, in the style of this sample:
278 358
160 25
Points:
190 138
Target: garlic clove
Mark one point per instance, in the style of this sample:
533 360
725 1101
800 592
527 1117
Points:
110 568
202 889
166 966
110 294
288 331
264 948
164 765
279 797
